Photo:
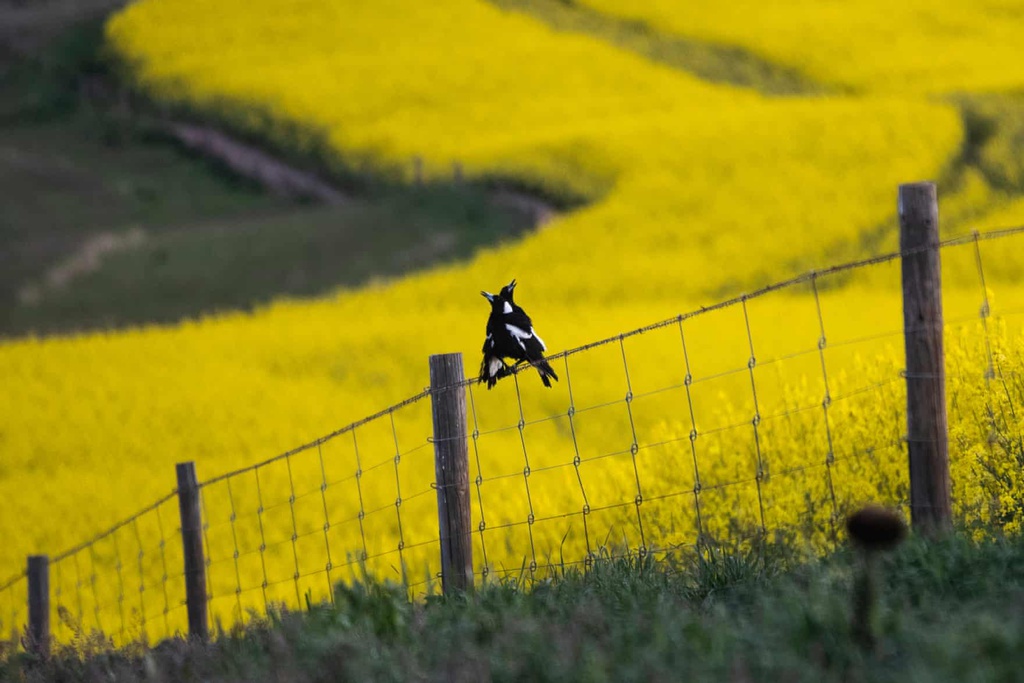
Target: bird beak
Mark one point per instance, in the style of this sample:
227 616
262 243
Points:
512 285
487 295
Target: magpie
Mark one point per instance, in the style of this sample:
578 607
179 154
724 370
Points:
510 335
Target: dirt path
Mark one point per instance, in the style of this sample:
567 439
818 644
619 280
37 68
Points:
280 178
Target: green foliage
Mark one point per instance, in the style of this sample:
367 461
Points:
949 610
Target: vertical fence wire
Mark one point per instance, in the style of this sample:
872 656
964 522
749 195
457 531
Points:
756 420
692 436
531 518
576 460
295 529
359 490
263 538
633 449
984 313
478 482
327 522
826 403
398 502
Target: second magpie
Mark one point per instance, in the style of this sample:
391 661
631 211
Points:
510 335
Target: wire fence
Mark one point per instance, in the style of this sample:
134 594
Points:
766 416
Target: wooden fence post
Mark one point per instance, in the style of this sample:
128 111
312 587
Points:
451 466
927 434
192 545
39 604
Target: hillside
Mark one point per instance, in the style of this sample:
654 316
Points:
110 221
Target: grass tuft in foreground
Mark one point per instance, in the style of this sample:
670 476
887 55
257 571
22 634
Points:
949 610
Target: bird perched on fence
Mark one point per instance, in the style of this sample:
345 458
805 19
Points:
510 335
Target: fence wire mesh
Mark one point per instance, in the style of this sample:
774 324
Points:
124 585
767 416
355 504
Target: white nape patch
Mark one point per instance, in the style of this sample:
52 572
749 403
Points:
507 309
518 333
543 346
495 365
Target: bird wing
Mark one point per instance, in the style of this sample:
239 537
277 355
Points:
518 318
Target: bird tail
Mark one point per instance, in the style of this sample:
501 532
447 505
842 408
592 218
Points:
491 370
545 372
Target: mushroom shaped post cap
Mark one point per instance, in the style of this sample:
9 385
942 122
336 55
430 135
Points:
875 527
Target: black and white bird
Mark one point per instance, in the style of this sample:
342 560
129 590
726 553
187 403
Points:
510 335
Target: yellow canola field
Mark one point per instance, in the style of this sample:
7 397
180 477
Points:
863 45
696 191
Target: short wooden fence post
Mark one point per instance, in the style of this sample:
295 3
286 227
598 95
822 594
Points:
927 434
39 604
451 466
192 545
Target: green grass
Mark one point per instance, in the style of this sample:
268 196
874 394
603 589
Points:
949 610
83 164
237 262
711 62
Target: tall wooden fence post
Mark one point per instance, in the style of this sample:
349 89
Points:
927 435
39 604
451 466
192 544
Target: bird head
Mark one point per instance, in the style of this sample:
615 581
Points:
506 291
499 300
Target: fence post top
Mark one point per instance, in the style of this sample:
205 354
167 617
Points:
917 185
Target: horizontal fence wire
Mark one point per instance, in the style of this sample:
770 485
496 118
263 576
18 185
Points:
733 423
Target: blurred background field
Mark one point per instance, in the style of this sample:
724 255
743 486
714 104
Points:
688 160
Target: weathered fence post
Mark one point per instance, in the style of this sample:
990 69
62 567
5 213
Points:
451 465
192 544
927 436
39 604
